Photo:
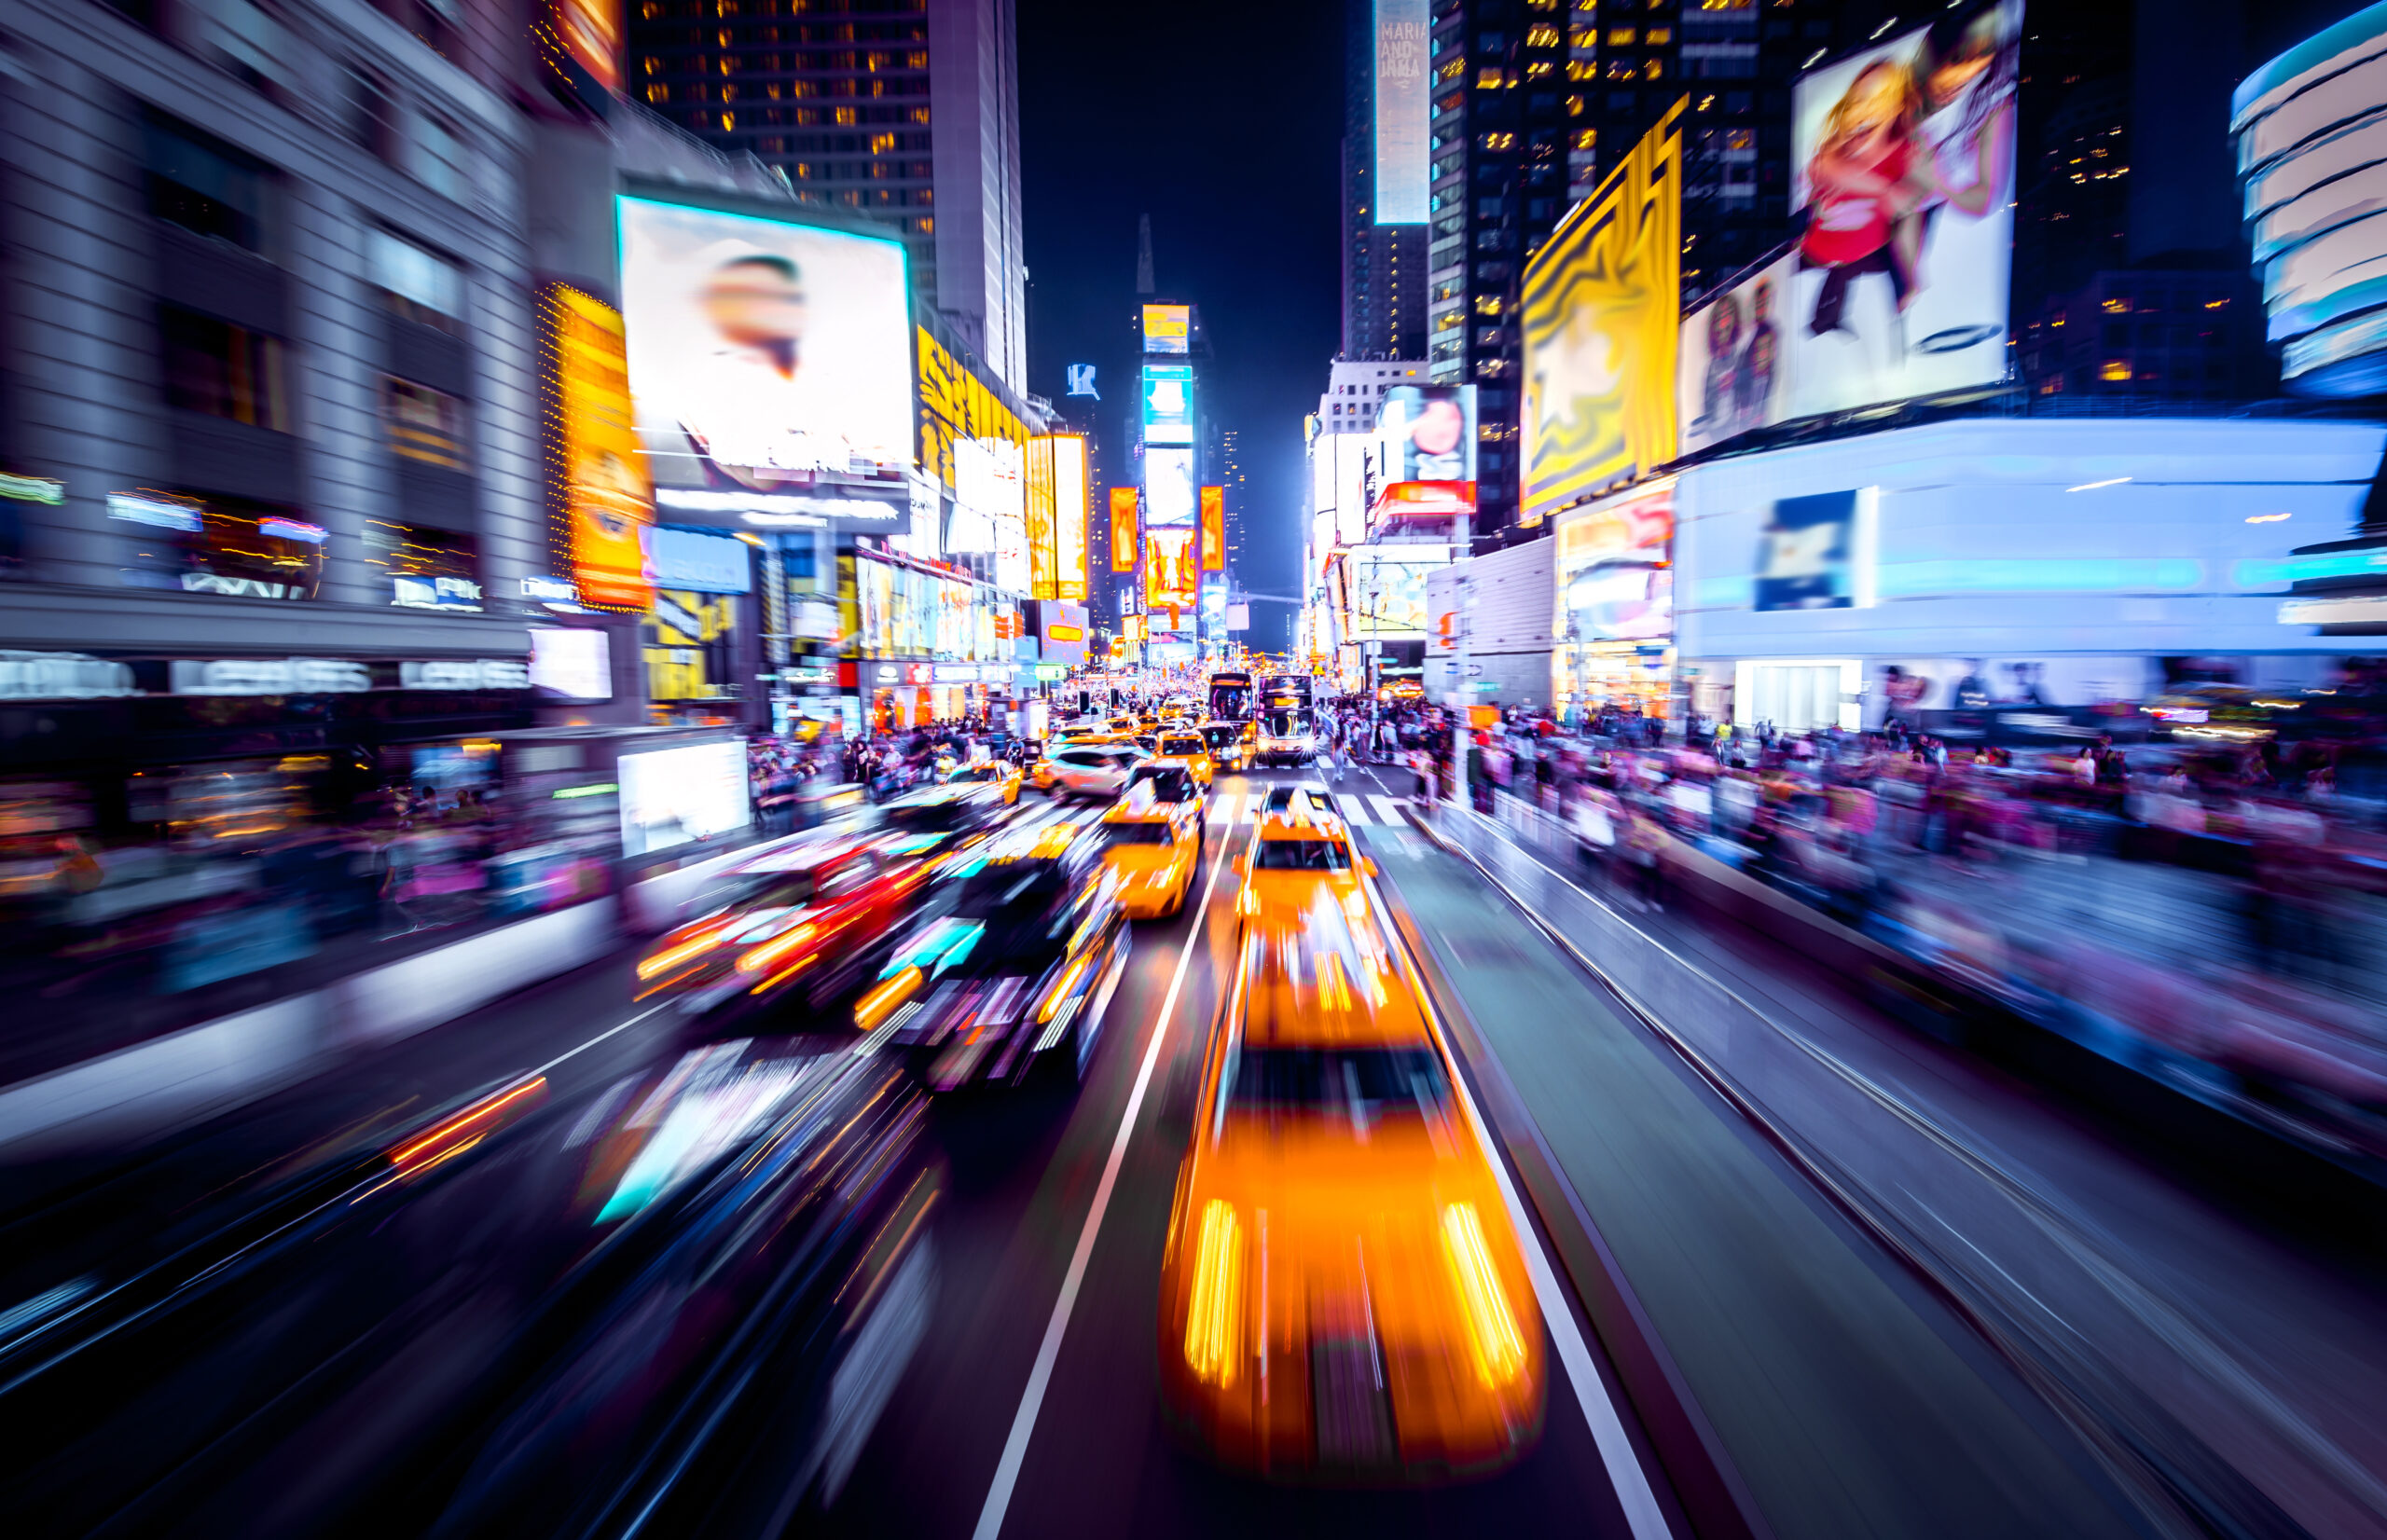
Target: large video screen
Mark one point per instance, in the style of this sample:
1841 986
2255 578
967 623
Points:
1602 314
1902 157
763 352
1428 432
676 796
1735 359
1387 588
1170 493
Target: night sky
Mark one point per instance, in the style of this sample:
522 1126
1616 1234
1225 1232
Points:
1222 121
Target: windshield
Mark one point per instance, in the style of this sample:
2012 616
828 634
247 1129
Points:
1303 856
1366 1082
1168 785
1011 892
1281 724
754 890
1136 833
927 817
986 770
1220 737
1183 746
1230 700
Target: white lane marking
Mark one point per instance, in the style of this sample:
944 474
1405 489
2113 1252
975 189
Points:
1353 810
1642 1514
1023 1423
1386 809
592 1042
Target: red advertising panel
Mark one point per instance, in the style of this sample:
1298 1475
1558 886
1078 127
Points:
1214 528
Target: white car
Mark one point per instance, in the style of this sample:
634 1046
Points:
1090 770
1283 741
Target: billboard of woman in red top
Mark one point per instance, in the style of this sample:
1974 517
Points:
1905 161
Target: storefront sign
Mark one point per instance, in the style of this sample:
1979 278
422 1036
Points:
270 677
550 591
1047 672
63 676
466 674
436 592
919 673
956 673
888 673
237 587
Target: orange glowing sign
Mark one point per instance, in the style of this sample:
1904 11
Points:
1214 528
1070 484
1131 628
1122 528
601 488
589 34
1058 632
1171 570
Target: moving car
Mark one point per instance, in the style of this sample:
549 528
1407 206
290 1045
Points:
1180 742
1000 773
1152 847
1285 737
1300 849
1011 968
1088 770
936 819
1231 744
1342 1297
796 928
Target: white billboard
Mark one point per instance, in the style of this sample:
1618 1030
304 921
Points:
1169 494
675 796
1402 78
763 352
1903 160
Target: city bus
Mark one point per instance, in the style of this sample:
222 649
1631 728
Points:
1230 697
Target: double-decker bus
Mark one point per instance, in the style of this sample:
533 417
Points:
1230 697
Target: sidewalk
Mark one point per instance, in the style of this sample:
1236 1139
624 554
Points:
2255 1372
323 1017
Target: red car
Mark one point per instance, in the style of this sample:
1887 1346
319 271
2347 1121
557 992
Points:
794 928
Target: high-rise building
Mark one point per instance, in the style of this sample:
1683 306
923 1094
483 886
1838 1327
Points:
1231 478
1384 264
907 112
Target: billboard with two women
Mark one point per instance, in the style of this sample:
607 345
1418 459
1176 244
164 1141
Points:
1903 160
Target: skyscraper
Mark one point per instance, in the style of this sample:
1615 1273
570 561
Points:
1384 266
907 113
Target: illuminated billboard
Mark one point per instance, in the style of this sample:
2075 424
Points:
762 351
588 34
2311 140
1169 328
1902 157
1614 566
1171 573
1735 363
1168 487
1168 403
599 472
1214 528
1600 300
1428 432
1386 589
1122 528
1403 82
1057 516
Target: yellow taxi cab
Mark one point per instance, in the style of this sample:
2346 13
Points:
1153 850
1343 1296
1180 742
1000 773
1300 850
1231 744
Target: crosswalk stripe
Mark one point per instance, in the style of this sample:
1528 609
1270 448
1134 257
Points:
1388 808
1353 809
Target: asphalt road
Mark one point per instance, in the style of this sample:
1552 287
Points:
1723 1343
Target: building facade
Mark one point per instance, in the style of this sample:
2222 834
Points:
273 368
907 114
1384 266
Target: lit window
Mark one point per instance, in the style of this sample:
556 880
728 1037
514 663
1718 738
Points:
2118 305
1488 79
1660 36
2216 304
1621 37
1540 69
1574 106
2115 369
1656 69
424 424
1542 34
1587 139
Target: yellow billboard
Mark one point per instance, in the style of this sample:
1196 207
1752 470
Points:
1603 300
1122 528
1043 545
1071 482
1169 328
603 498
